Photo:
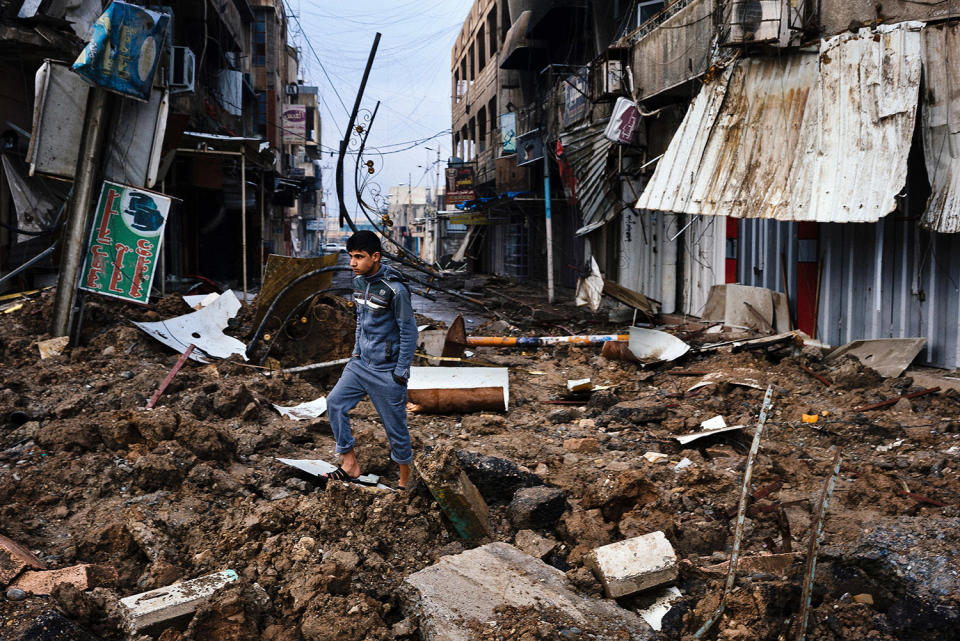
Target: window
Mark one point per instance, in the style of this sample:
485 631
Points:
260 40
482 129
470 67
646 9
262 112
481 55
492 32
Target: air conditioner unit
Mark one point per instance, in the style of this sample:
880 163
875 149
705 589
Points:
292 89
758 21
182 69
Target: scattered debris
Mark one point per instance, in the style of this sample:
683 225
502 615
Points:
651 344
579 385
456 495
537 507
889 357
633 565
82 577
159 606
529 542
462 389
53 347
710 427
14 558
203 328
319 467
893 401
173 372
653 614
744 306
305 410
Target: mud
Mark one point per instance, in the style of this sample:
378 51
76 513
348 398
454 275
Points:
193 486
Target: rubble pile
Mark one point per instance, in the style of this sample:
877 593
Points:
584 494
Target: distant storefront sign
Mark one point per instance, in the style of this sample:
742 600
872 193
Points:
125 242
470 218
575 91
623 122
124 50
529 148
312 224
508 133
460 184
294 123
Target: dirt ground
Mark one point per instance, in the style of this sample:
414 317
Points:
194 486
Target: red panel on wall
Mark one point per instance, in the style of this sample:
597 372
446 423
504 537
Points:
733 249
807 260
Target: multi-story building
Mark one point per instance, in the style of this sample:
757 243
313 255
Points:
800 146
228 73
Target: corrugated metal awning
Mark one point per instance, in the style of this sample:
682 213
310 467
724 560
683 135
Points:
801 138
587 151
941 126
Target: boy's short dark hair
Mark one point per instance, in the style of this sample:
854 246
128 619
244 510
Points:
364 241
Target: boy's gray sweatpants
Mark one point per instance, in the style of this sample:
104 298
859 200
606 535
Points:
389 397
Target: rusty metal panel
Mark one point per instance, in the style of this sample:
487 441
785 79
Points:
941 126
283 270
805 137
587 150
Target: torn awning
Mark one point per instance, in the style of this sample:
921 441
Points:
588 150
801 138
941 126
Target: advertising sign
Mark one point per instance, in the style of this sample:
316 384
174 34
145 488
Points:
125 242
294 123
470 218
623 122
529 148
124 50
575 92
508 133
459 184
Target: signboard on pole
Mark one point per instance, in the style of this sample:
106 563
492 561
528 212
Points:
124 50
575 90
529 148
124 242
294 123
623 122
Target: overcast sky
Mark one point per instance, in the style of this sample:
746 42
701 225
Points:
410 77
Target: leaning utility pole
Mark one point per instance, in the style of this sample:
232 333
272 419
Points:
74 234
549 223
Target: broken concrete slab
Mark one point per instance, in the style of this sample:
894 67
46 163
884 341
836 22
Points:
52 347
461 389
457 496
203 328
529 542
636 564
14 559
164 604
82 577
478 584
889 357
537 507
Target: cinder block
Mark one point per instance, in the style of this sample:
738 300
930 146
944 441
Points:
635 564
83 577
164 604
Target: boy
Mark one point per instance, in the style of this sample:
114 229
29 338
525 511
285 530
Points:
380 364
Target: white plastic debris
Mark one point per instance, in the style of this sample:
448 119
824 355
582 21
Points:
647 344
199 301
578 385
655 457
307 410
715 423
683 464
203 328
654 613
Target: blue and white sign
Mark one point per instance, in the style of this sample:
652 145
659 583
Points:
124 50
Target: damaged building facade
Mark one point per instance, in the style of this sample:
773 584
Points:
804 147
231 133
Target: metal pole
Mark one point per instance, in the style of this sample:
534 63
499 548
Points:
243 219
549 223
163 251
263 228
88 163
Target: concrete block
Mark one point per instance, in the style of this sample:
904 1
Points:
164 604
82 577
635 564
533 544
477 585
459 499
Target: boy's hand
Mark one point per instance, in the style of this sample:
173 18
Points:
399 380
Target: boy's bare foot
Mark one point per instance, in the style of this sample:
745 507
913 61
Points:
350 467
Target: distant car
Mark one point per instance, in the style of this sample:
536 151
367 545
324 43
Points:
332 248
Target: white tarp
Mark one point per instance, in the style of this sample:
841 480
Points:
307 410
203 328
805 137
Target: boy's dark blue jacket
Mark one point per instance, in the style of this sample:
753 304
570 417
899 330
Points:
386 329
